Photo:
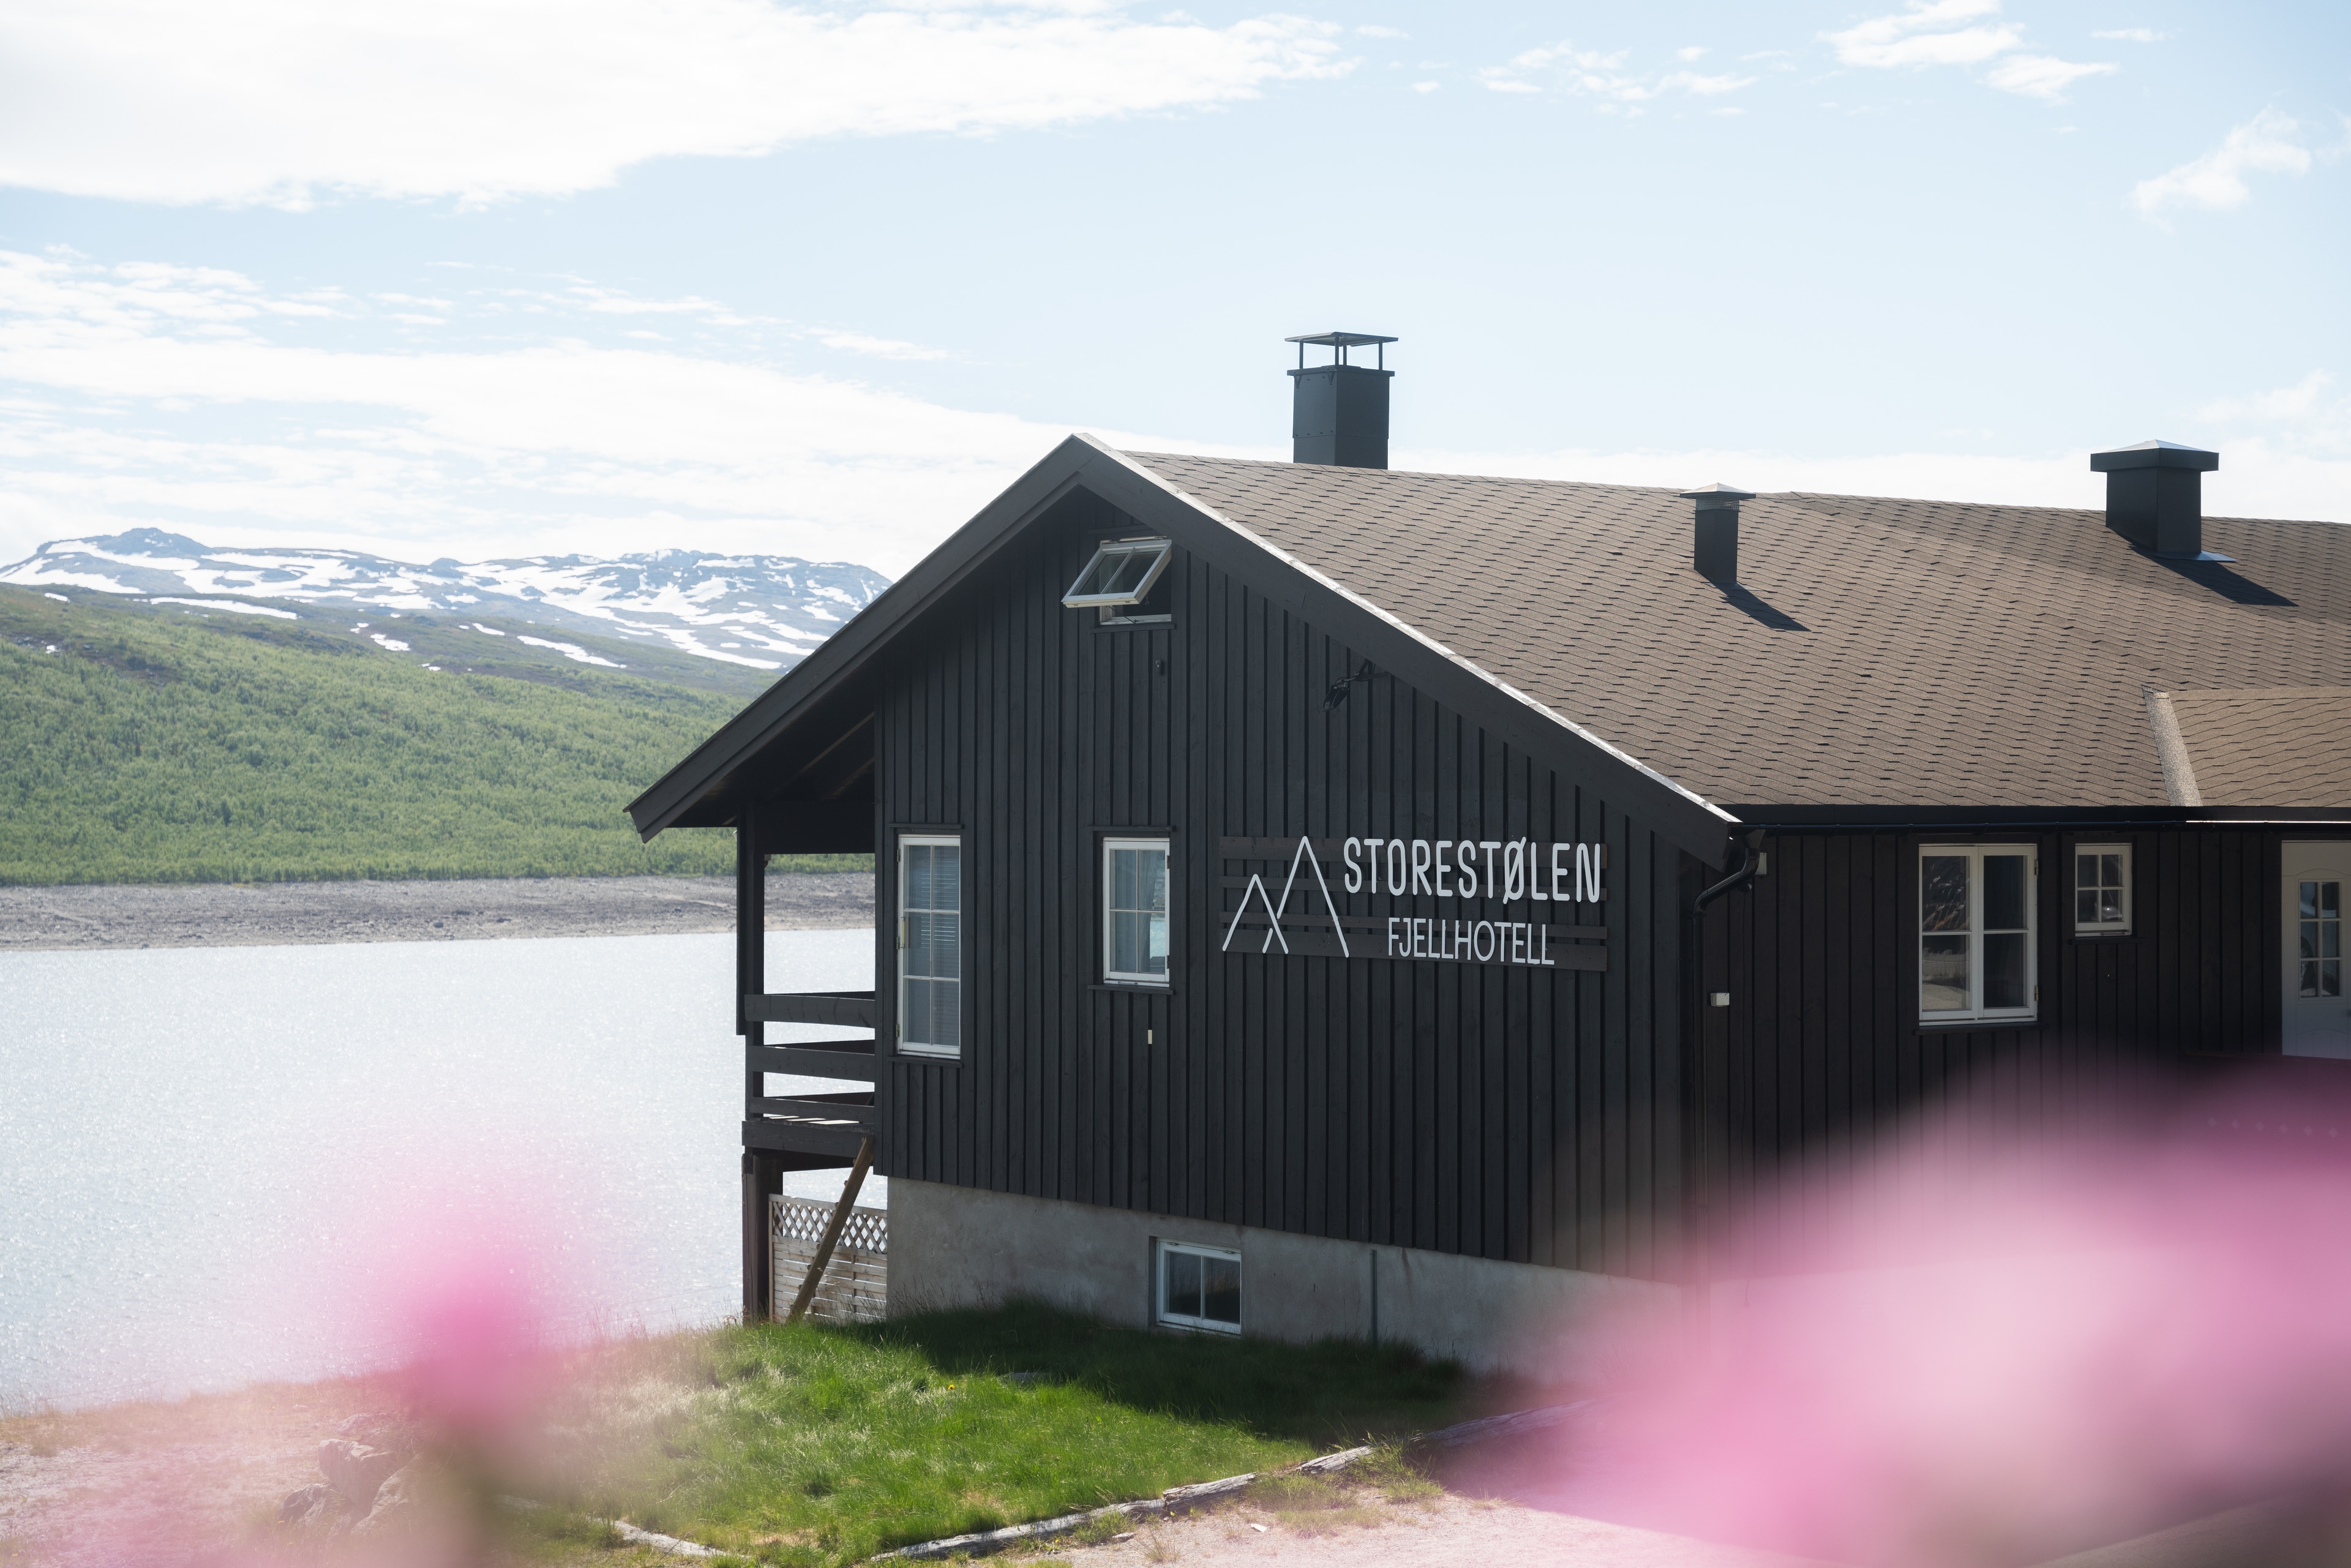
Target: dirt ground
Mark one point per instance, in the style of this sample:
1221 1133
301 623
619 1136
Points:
162 1483
1453 1532
268 914
181 1483
199 1482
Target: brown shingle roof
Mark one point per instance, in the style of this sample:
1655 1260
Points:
2278 746
1880 652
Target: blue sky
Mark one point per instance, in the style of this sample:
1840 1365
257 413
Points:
512 276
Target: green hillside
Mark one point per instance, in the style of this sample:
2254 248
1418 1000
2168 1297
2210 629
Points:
142 744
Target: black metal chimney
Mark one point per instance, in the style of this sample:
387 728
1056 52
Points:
2155 496
1716 548
1339 411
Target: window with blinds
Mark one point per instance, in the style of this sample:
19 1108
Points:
930 944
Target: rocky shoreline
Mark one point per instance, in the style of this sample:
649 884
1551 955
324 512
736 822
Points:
268 914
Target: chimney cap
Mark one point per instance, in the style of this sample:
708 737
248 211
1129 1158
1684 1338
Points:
1339 339
2155 455
1718 495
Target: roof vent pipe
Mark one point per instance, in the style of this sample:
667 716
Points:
2155 496
1339 411
1716 554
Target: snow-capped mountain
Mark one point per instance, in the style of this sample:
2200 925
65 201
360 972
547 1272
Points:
765 610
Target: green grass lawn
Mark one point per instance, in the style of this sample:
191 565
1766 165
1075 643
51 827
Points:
139 744
821 1446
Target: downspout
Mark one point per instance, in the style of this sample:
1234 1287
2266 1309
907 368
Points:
1698 1217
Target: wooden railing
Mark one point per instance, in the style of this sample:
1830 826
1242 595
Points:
813 1123
848 1009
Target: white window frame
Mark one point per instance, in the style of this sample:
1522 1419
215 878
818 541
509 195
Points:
925 1048
1109 911
1976 1012
2102 928
1159 1313
1162 550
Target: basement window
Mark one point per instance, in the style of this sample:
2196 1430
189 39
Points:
1975 932
2102 893
1119 580
1199 1288
1134 911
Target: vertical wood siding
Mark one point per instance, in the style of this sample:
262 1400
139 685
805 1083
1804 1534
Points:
1508 1114
1822 1049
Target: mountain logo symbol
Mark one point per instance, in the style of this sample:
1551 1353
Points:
1305 856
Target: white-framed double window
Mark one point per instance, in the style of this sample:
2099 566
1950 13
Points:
1975 932
1134 911
1199 1287
930 944
2102 889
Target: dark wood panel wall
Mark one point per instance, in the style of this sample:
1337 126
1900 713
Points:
1507 1113
1822 1049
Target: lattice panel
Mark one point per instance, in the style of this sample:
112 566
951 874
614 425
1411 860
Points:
856 1283
799 1219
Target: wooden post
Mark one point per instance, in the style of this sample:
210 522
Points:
750 927
757 1304
823 1259
751 979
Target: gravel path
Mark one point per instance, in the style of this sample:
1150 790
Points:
1453 1532
269 914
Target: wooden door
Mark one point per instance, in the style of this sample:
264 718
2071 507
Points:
2316 893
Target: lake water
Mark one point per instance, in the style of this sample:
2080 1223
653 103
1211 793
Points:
202 1151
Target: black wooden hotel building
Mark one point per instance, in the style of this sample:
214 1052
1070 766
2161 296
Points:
1314 899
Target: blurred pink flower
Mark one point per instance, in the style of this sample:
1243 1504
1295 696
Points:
1946 1354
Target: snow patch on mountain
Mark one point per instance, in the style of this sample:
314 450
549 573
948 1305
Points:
768 611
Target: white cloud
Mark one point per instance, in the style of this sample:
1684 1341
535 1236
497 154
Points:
180 398
2307 422
879 348
1596 74
1960 33
2216 181
1694 52
2043 77
277 102
1926 33
2293 403
120 411
1704 87
1372 30
621 302
2131 34
1425 87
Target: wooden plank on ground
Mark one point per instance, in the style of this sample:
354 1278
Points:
832 1230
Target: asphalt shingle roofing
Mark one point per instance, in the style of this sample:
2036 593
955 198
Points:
1877 653
2280 746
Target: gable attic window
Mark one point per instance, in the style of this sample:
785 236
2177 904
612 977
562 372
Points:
1118 582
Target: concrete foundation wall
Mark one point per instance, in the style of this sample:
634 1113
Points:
954 1247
